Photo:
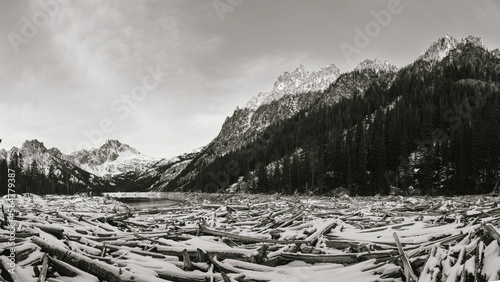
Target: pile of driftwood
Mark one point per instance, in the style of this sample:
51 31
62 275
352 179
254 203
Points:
253 238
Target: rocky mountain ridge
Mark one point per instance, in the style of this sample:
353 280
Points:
111 158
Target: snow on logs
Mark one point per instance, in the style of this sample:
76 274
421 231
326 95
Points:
254 237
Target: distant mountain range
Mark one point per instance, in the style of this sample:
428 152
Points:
287 108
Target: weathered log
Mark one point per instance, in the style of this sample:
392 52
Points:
260 257
408 271
43 271
69 219
187 261
193 252
116 248
99 269
322 230
247 239
51 229
290 221
310 258
66 269
344 258
490 230
479 262
13 271
248 274
176 274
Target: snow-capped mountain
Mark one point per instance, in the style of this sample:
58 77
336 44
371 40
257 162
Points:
111 158
34 150
157 176
376 66
439 49
112 166
297 82
358 80
34 157
292 92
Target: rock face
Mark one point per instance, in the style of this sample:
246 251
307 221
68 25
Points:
292 92
439 49
112 158
34 157
299 81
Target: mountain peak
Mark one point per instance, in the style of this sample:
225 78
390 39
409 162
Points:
300 69
439 49
113 146
33 147
376 65
473 40
56 152
111 142
112 157
296 82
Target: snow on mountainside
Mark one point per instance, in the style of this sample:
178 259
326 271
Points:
376 65
156 176
111 158
35 151
111 167
33 155
447 45
296 82
358 80
292 92
439 49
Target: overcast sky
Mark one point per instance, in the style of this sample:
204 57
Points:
163 75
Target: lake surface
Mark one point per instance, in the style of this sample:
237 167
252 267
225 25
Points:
148 203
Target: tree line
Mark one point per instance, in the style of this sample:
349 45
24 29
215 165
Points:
35 179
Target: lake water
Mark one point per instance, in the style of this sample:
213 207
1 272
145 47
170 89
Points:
148 203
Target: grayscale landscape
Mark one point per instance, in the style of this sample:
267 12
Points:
238 140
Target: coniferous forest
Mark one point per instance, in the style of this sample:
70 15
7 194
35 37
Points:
33 179
434 130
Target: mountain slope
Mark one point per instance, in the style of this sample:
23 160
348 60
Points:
417 127
253 123
292 92
40 170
